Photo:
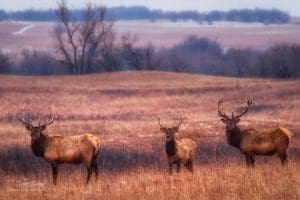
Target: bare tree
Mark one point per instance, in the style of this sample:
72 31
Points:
5 64
110 59
151 60
277 61
80 42
177 61
129 53
139 58
37 63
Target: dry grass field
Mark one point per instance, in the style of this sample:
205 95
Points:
16 36
122 110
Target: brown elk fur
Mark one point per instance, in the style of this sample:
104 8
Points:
65 149
179 151
253 142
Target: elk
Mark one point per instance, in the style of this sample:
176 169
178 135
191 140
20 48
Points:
253 142
75 149
178 151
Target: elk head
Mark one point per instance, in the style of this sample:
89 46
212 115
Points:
232 121
170 132
36 131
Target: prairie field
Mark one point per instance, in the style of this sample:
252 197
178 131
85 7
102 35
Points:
122 110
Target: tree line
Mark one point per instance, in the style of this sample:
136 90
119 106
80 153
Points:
90 45
193 55
266 16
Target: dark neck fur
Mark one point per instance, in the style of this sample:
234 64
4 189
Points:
39 145
171 147
234 136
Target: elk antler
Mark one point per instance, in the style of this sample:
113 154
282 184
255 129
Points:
158 119
249 103
47 123
220 112
179 122
24 122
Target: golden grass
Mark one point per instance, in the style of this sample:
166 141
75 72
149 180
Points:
122 109
214 182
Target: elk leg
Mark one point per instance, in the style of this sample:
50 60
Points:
96 170
89 172
178 164
54 167
170 167
95 166
283 158
250 160
190 165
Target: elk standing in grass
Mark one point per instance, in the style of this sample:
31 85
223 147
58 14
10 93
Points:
178 151
253 142
64 149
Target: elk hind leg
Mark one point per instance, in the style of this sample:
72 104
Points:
283 158
190 165
95 166
89 172
90 164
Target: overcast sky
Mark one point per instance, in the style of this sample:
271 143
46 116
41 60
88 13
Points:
291 6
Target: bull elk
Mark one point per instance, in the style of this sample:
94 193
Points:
178 151
253 142
64 149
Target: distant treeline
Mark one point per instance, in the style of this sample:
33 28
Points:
265 16
193 55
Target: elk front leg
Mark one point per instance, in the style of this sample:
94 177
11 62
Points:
170 164
250 160
178 164
54 167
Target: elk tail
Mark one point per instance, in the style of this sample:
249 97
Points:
287 132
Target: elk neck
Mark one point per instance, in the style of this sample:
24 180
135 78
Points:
171 147
38 145
234 136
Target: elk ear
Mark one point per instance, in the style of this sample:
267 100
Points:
224 120
29 128
237 120
176 129
43 127
163 129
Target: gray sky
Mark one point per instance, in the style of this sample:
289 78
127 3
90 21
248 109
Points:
291 6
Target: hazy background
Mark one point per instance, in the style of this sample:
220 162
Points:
259 38
291 6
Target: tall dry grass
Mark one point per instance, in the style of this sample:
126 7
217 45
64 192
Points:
121 109
228 181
